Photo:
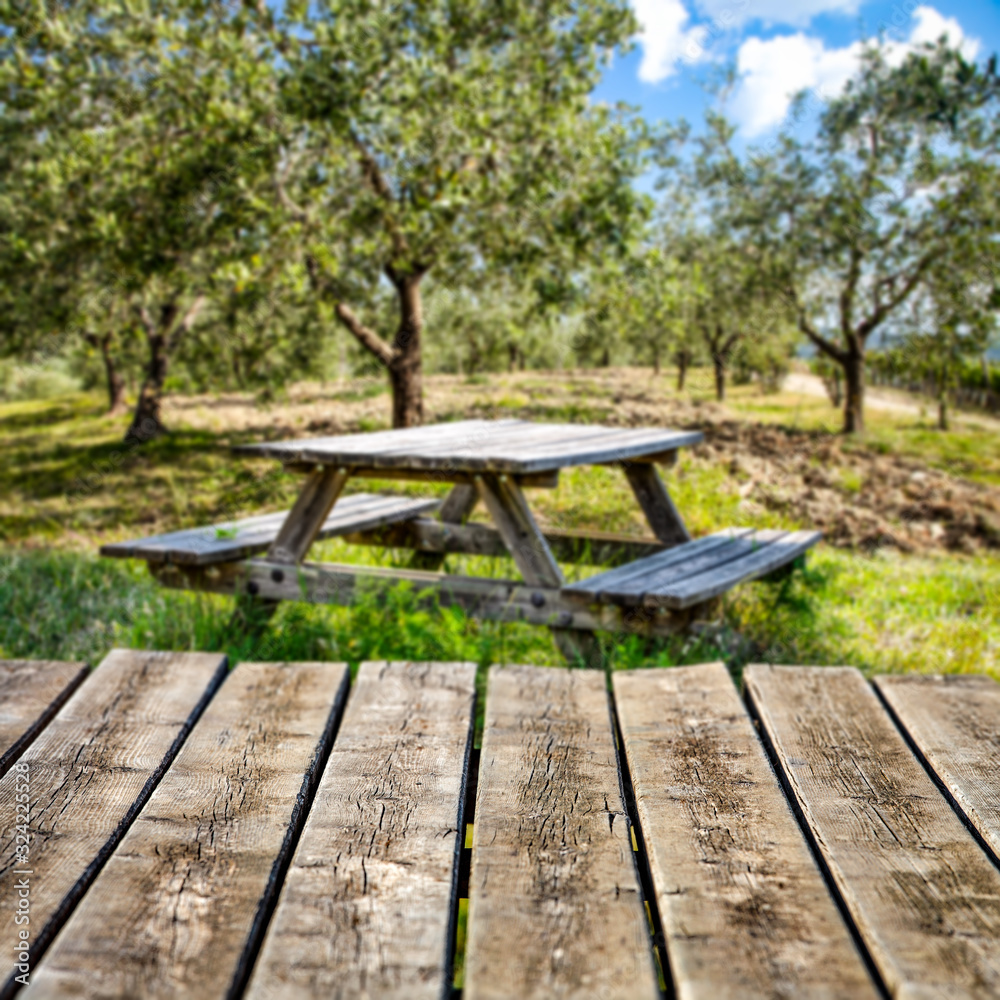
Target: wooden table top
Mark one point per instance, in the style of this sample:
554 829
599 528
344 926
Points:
509 446
283 830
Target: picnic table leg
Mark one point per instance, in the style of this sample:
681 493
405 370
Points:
505 501
457 507
307 516
296 535
651 492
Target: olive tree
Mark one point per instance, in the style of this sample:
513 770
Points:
900 180
445 139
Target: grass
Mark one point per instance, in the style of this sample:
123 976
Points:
71 485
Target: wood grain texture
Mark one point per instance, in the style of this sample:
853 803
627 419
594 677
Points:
91 770
696 571
554 901
309 512
954 721
548 480
513 446
455 510
512 516
231 540
777 549
184 897
366 909
530 551
628 584
657 504
923 895
482 597
744 908
430 537
31 692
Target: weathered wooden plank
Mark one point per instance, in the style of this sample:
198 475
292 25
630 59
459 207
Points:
554 901
628 584
455 510
517 527
299 529
656 503
778 549
531 553
923 895
31 692
482 446
366 905
232 540
594 548
184 898
356 449
536 480
89 773
954 721
482 597
744 908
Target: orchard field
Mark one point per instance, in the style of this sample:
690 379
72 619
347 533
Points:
907 578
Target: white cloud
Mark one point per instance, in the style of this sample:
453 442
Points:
666 38
774 70
931 26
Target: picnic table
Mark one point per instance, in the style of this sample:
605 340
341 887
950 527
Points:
657 585
178 829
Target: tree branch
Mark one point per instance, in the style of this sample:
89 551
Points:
802 321
376 179
882 309
188 321
371 170
297 213
368 338
147 321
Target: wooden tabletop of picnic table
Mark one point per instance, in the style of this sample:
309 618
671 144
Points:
176 829
509 446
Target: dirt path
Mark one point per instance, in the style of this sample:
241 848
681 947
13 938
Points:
892 400
812 385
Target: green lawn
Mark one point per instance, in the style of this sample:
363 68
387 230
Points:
71 485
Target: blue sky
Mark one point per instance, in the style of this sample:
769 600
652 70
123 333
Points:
778 48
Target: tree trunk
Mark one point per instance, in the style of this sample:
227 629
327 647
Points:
162 335
835 387
943 412
146 422
719 364
682 367
114 380
511 356
656 362
606 358
942 400
406 366
854 395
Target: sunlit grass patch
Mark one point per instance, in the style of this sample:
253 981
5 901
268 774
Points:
886 612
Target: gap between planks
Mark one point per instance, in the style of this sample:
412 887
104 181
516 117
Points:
553 880
744 907
923 895
368 903
90 772
180 907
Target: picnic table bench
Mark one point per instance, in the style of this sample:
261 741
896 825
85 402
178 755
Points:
656 585
176 829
